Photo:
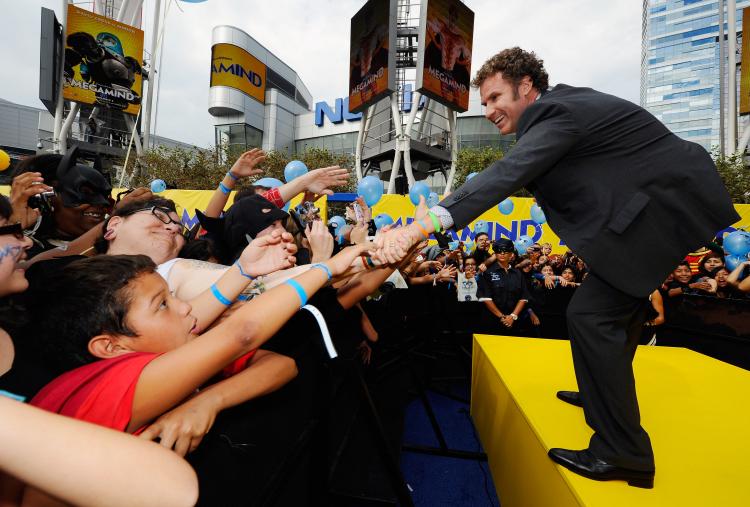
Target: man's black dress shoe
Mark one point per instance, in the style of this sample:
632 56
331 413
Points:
586 464
571 397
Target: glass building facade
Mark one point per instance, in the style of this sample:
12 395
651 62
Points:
680 65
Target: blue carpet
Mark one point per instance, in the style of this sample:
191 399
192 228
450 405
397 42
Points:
437 481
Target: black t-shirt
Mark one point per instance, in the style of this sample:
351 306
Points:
505 288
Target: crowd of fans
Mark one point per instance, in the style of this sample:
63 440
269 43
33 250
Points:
118 315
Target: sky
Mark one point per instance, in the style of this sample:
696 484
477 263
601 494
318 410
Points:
582 42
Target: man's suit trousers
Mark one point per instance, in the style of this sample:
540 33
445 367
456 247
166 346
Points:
605 325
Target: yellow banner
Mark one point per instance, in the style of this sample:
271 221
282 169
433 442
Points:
102 61
234 67
401 210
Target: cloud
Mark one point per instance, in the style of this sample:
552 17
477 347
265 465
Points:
583 43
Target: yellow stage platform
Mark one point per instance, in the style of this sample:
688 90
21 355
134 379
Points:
696 410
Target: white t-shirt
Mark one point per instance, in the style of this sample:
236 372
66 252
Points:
466 288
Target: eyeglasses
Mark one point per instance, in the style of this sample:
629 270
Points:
163 215
14 229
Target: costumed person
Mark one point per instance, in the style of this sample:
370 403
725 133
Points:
620 189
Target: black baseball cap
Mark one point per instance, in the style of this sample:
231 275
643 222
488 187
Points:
503 245
241 223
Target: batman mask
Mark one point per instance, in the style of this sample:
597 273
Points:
79 184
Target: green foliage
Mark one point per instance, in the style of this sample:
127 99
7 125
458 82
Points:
476 160
199 169
735 174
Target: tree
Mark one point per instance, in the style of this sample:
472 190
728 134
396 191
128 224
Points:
735 175
203 169
476 160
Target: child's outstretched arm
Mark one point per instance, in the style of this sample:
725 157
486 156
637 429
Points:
174 375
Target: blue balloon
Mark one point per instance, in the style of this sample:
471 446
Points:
470 176
433 199
732 261
453 245
268 183
737 243
481 226
370 188
158 186
537 215
506 207
417 189
294 169
338 221
382 220
522 244
469 247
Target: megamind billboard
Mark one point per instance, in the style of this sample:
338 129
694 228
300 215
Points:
372 57
102 61
446 30
234 67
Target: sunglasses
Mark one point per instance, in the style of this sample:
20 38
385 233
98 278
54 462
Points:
14 229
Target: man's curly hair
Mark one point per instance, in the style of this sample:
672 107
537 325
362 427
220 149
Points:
514 64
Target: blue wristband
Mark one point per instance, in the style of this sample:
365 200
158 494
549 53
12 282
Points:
324 268
224 189
244 297
294 284
219 296
242 272
235 178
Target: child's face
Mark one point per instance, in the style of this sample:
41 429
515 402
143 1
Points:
547 271
546 249
161 321
12 251
682 274
568 275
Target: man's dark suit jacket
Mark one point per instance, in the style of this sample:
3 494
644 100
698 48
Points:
620 189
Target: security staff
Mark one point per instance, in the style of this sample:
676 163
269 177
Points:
503 290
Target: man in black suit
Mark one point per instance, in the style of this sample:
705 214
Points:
627 195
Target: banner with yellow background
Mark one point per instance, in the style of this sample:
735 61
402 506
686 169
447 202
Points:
401 210
234 67
102 80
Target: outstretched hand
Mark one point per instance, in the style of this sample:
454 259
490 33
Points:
246 163
320 181
269 253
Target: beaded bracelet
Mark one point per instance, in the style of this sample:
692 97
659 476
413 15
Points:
324 268
422 228
239 266
435 221
235 178
294 284
219 296
224 189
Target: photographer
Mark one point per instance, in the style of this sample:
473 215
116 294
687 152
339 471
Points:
58 199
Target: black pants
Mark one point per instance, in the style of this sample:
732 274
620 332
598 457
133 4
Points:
605 326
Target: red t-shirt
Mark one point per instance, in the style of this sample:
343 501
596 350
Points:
101 392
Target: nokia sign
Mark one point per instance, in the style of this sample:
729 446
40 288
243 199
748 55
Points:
340 110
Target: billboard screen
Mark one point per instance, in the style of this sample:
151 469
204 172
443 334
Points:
234 67
372 55
446 30
102 61
745 65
